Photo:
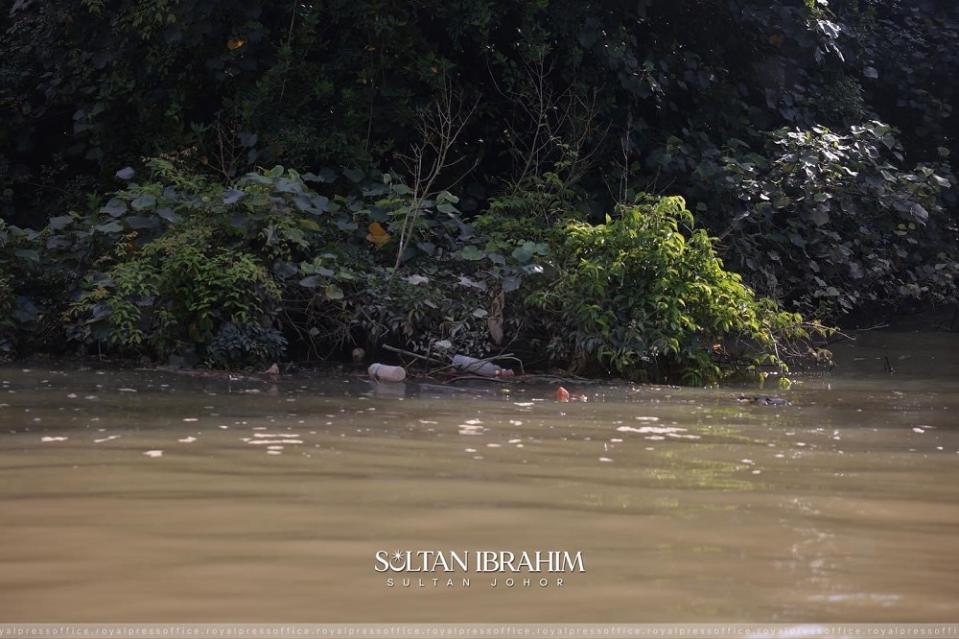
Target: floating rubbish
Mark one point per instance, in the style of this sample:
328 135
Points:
384 373
562 395
479 367
661 430
762 400
53 439
470 429
187 440
153 453
106 439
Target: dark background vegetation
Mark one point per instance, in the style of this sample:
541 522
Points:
812 139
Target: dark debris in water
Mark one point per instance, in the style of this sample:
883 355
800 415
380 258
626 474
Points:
763 400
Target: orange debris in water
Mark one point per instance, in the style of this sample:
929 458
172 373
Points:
562 395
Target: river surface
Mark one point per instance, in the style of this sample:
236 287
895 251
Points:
154 496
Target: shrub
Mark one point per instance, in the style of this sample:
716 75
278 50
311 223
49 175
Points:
177 291
645 297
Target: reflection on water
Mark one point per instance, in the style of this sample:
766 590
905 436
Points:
150 496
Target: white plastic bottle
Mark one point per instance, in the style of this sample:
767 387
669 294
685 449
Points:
384 373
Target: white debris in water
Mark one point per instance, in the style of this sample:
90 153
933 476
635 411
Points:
191 419
53 439
274 452
127 390
605 459
918 430
523 404
615 440
426 421
492 445
644 418
747 461
276 435
650 448
516 422
274 447
269 442
469 429
187 440
780 456
659 430
469 450
473 422
223 427
106 439
655 438
153 453
72 396
514 441
90 397
756 472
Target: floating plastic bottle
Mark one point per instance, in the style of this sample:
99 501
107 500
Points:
479 367
384 373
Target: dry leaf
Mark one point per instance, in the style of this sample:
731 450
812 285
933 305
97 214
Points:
377 235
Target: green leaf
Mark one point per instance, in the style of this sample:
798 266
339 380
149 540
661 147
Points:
109 227
312 281
144 202
333 292
471 253
115 207
60 222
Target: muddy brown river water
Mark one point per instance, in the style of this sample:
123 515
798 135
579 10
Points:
150 496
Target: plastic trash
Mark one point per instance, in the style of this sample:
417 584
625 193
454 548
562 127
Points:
479 367
384 373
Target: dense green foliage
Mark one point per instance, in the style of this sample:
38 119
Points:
456 162
225 275
650 295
